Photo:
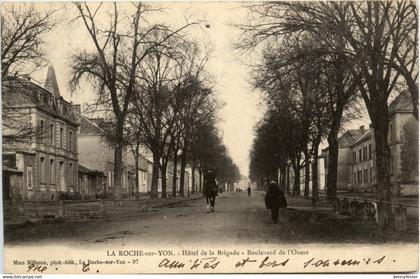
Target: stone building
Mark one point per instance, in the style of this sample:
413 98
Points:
403 145
345 153
357 157
290 176
39 139
97 154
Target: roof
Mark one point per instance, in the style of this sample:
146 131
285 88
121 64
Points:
402 103
88 127
51 82
350 137
366 136
18 92
85 170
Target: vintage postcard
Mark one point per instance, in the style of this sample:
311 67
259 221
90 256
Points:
210 137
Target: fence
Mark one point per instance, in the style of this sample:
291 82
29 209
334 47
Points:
83 208
364 208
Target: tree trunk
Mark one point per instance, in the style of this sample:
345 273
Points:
283 179
136 157
163 168
182 175
200 179
333 154
380 124
288 179
296 181
307 172
296 184
118 163
155 175
193 188
175 177
315 175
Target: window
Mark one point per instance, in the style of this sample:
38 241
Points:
365 176
359 177
42 170
355 178
70 140
109 178
61 176
29 178
371 174
354 157
52 135
370 151
61 137
360 155
52 172
364 153
71 174
41 130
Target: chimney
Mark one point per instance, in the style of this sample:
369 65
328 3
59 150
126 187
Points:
77 109
51 82
362 128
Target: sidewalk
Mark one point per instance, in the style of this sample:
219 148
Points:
325 209
40 212
411 203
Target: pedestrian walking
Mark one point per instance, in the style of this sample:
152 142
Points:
274 200
210 190
249 191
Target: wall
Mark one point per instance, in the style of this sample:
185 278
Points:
93 153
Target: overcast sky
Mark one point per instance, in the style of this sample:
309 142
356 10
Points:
240 110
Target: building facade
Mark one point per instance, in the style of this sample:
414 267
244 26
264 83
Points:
96 154
290 176
47 155
345 155
357 157
403 145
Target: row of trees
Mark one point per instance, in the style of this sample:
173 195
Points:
150 81
319 60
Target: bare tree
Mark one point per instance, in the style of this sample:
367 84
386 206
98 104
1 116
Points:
374 40
279 22
22 30
156 105
403 28
371 35
121 45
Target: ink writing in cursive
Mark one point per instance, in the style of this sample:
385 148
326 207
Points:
266 262
204 263
36 268
338 262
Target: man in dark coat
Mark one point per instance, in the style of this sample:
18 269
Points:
274 200
210 190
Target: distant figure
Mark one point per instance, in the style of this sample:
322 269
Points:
210 190
249 191
274 200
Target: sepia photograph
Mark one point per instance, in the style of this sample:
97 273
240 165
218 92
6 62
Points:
210 137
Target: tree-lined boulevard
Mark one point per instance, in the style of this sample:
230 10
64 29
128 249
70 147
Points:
316 68
237 220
